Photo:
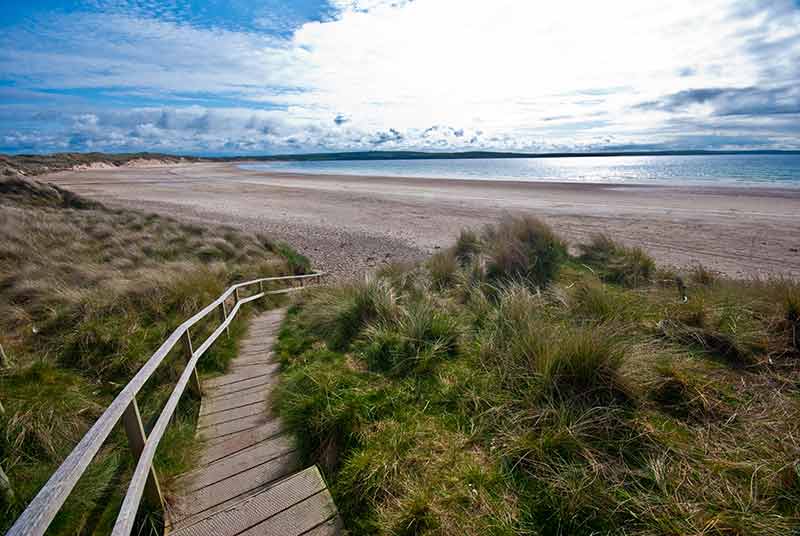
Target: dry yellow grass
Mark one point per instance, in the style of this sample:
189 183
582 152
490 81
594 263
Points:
87 293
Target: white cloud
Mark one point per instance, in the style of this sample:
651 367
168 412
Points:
498 74
507 64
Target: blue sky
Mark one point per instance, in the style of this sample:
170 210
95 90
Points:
277 76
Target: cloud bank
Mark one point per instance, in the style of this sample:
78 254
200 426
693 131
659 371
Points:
403 74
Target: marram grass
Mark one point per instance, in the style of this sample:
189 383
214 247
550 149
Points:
505 387
87 293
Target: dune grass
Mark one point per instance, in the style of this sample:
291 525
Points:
617 263
87 293
35 164
577 395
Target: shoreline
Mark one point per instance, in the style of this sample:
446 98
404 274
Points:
731 186
351 223
720 189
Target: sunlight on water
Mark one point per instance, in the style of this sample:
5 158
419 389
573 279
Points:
745 170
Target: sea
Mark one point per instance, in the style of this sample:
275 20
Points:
782 171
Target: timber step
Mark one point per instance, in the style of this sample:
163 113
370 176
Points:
299 504
248 479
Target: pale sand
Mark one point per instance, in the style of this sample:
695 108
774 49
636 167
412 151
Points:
347 224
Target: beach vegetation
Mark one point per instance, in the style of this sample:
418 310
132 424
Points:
628 266
87 293
443 268
581 395
467 246
523 248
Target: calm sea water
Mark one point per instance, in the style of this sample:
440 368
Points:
744 170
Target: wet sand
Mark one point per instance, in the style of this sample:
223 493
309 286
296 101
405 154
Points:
348 224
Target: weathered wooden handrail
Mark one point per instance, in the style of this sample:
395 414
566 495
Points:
44 507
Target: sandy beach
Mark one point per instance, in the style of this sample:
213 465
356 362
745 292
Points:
348 224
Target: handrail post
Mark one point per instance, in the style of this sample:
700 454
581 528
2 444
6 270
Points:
236 293
194 385
38 515
224 310
132 421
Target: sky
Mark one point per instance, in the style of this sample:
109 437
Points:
291 76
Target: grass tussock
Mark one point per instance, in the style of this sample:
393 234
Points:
686 394
340 313
539 355
618 264
443 268
87 293
415 341
523 248
467 247
593 301
505 387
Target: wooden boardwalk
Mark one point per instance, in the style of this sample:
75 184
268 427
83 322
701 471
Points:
249 480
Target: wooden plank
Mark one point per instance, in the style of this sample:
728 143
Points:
268 383
252 355
247 482
236 463
130 504
239 386
251 358
246 410
258 507
225 491
213 434
238 376
40 512
240 441
261 341
301 517
256 362
330 527
209 406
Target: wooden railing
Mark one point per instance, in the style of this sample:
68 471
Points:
44 507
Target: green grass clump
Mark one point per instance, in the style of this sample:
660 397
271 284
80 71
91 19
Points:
443 268
47 409
340 313
87 294
328 404
593 301
468 246
583 361
727 331
584 402
541 355
686 395
425 480
298 264
418 338
619 264
524 248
